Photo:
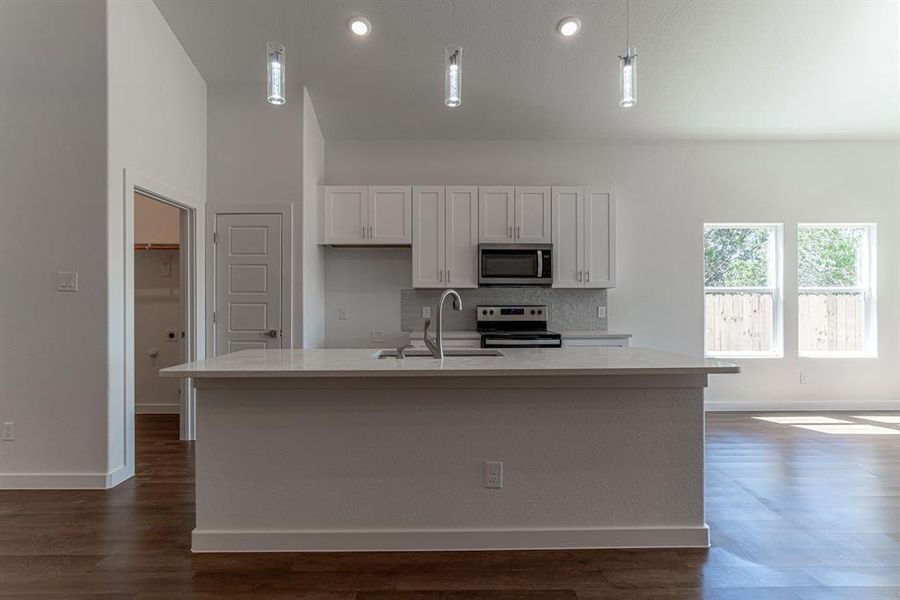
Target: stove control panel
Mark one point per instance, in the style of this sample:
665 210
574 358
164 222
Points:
527 313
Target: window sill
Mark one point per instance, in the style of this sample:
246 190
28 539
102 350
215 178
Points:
729 355
837 354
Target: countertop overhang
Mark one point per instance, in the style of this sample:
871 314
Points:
518 362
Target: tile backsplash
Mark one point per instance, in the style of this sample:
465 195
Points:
570 310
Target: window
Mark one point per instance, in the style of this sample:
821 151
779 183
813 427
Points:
836 302
742 271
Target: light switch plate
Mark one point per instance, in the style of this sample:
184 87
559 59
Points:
426 312
67 281
8 432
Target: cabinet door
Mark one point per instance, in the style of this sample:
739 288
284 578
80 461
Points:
428 239
532 215
496 210
346 215
390 215
462 237
568 246
599 239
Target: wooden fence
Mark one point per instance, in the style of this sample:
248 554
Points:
832 322
742 322
739 322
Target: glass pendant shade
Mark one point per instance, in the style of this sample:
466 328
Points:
628 78
453 76
275 79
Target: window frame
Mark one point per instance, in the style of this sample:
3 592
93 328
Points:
868 277
776 289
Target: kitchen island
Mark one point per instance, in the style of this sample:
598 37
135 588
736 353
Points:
337 450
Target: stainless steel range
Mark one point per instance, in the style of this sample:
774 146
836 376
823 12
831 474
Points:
521 326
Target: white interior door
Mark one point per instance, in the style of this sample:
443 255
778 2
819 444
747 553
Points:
346 215
428 237
599 236
248 310
390 215
532 215
568 203
462 236
496 207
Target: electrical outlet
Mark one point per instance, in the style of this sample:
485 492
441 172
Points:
376 336
8 432
67 281
426 312
343 314
601 312
493 474
804 378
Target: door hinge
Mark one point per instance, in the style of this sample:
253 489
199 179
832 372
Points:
214 317
215 237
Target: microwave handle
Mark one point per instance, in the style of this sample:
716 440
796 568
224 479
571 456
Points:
540 272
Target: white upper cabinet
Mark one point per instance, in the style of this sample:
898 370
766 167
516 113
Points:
584 250
356 215
532 215
568 247
346 215
496 214
390 215
445 236
428 246
599 239
462 236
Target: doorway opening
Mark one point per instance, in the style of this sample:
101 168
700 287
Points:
159 305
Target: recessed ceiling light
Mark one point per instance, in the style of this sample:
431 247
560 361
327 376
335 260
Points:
360 26
569 26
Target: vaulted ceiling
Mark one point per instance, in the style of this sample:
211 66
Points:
707 69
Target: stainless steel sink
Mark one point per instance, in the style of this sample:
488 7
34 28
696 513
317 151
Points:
417 353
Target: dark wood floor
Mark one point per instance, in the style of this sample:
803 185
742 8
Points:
795 514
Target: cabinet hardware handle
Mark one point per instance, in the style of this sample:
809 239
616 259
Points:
509 235
448 275
518 231
362 231
587 275
440 275
578 275
370 232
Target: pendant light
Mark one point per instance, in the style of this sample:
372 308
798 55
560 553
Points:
628 67
453 76
275 70
453 67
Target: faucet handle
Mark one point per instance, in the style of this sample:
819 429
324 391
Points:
401 351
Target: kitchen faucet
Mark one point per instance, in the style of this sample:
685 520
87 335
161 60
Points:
436 344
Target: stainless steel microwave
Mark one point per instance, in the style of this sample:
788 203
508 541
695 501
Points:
515 264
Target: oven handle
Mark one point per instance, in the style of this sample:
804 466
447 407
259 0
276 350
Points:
488 342
540 265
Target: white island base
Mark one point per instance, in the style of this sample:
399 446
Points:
303 459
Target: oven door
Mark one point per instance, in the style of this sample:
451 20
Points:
515 264
519 341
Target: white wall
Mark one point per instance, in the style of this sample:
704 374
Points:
157 129
665 191
53 217
313 262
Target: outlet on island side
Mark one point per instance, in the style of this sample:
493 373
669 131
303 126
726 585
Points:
493 474
8 431
804 378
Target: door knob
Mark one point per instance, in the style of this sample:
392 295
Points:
272 333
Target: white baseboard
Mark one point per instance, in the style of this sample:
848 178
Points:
157 409
64 481
800 405
447 539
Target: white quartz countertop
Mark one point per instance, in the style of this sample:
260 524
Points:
515 362
596 334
